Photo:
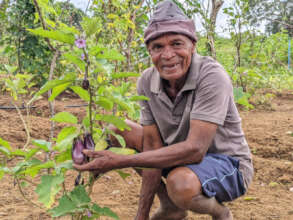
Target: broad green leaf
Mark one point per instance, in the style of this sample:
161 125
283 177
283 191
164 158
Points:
69 78
139 98
4 170
101 144
105 103
91 25
65 117
31 153
122 174
63 156
58 89
66 165
124 75
19 152
76 60
33 170
119 138
83 94
4 150
65 138
110 54
65 207
79 196
104 211
123 151
48 188
72 202
45 145
5 144
122 104
119 123
55 35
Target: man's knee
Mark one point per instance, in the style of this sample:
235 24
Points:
182 186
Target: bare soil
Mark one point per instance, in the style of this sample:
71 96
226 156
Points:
269 197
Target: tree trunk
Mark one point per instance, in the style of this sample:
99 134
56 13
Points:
216 5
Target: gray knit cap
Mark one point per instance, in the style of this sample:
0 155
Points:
169 18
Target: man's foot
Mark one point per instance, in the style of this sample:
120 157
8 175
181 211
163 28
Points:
225 215
169 214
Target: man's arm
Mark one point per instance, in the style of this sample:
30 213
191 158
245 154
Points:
150 178
192 150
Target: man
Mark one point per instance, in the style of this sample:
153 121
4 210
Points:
190 130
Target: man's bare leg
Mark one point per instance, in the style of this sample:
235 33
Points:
184 189
133 139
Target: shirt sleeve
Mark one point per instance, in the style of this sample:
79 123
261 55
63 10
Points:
213 94
146 116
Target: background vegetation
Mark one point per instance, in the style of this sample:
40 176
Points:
50 47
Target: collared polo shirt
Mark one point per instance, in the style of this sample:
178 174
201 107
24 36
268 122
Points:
206 95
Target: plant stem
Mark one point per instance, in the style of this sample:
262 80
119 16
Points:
22 193
28 139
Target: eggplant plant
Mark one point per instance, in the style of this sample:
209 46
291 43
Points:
109 99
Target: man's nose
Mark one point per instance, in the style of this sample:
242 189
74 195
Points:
168 52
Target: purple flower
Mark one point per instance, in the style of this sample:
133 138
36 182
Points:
80 43
82 56
89 214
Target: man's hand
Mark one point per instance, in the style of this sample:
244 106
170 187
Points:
102 161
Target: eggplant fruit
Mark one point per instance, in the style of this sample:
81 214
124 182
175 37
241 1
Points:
89 143
78 156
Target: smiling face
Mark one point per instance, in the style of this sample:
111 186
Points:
171 55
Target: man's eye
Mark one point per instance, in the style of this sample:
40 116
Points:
156 47
177 44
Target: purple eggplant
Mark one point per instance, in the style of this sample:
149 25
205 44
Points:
85 84
78 156
89 143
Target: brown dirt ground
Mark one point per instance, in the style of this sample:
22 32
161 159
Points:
269 197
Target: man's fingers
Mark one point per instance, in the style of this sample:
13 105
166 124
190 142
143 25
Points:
85 167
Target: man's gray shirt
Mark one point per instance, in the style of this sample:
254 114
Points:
207 95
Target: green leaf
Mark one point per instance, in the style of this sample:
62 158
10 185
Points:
65 206
122 174
122 151
55 35
139 98
4 150
66 165
31 153
105 103
91 25
83 94
65 117
65 138
45 145
122 104
58 89
69 78
119 123
33 170
110 54
74 201
76 60
5 144
63 156
19 152
124 75
79 196
119 138
48 188
104 211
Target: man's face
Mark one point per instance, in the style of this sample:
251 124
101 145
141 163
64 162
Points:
171 54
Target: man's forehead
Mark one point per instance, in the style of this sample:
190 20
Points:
170 37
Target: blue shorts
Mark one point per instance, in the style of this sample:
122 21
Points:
219 177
